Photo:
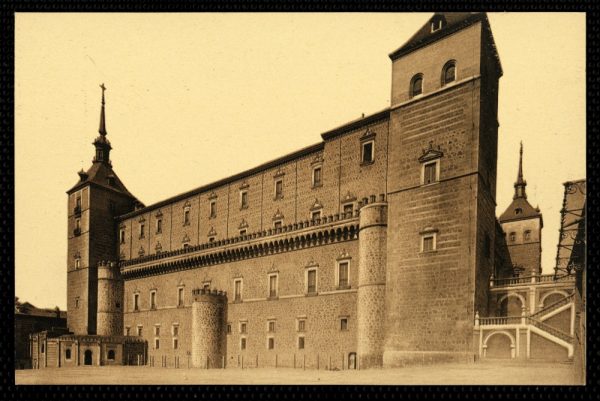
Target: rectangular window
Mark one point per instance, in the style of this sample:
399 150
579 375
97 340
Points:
277 224
78 203
156 343
301 342
243 232
206 286
348 210
139 331
157 330
237 290
279 189
273 286
271 326
315 215
243 327
77 263
311 281
186 217
213 208
175 343
136 302
211 239
242 344
343 274
175 330
428 242
228 328
301 325
153 300
367 152
159 226
316 178
127 331
271 343
430 173
344 324
142 230
180 297
243 199
122 235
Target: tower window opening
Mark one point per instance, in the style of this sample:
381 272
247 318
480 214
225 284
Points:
449 73
513 237
301 342
368 152
344 324
416 85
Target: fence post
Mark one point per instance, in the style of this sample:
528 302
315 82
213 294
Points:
329 362
317 361
294 361
207 362
303 362
242 362
257 360
275 361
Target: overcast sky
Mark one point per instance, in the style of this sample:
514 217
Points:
192 98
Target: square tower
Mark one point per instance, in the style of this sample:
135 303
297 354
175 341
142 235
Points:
441 187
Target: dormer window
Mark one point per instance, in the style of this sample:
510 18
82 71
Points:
527 235
518 211
416 85
449 73
436 25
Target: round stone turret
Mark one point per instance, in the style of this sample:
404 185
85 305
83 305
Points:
372 250
209 328
110 300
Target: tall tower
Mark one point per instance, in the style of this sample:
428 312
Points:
522 225
441 188
93 202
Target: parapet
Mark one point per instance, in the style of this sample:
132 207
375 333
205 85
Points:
214 295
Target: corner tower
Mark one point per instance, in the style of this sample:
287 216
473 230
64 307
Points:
93 202
522 224
441 188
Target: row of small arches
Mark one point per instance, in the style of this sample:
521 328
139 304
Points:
448 75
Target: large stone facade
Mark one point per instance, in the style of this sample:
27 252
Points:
374 247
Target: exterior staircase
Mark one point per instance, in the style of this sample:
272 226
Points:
520 328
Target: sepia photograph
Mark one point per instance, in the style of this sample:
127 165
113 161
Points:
300 198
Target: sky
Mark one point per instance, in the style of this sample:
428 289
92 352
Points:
192 98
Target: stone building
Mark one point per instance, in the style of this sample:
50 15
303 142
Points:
313 259
29 320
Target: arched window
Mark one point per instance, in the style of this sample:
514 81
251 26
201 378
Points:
416 85
449 72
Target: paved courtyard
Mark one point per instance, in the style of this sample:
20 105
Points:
479 373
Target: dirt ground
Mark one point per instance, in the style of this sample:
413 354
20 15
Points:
479 373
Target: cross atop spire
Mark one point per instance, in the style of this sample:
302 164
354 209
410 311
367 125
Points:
521 183
102 129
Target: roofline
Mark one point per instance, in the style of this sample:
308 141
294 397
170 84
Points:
574 181
539 216
272 163
352 125
95 184
402 50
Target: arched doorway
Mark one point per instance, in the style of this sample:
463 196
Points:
352 360
87 357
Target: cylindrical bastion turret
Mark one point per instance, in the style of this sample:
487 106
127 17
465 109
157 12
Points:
209 328
371 281
110 300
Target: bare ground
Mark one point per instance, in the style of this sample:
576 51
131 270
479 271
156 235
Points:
530 373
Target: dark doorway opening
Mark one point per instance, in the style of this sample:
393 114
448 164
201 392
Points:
352 360
87 357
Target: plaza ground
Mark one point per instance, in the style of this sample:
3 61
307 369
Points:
531 373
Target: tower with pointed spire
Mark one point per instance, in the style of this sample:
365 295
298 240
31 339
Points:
522 225
93 202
